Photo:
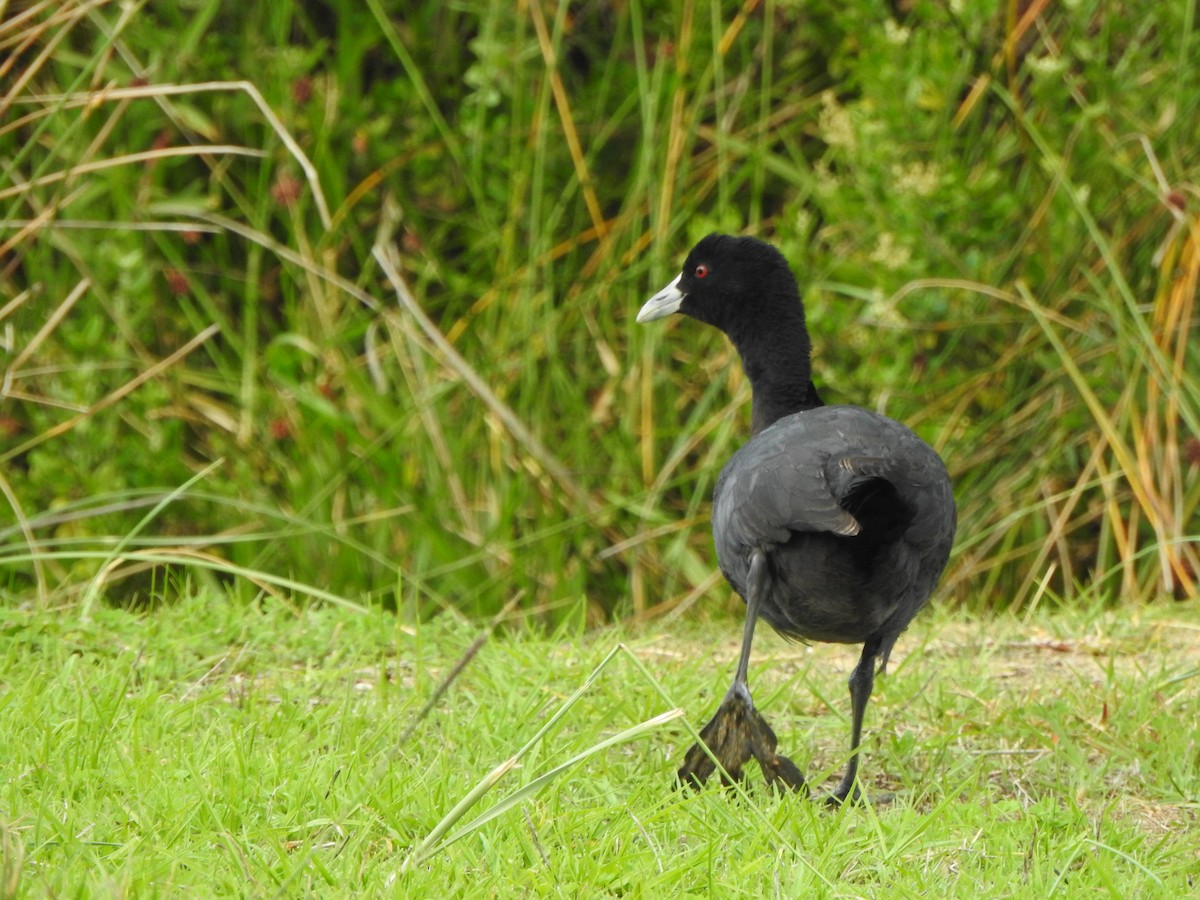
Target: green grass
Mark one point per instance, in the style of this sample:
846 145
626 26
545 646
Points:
212 748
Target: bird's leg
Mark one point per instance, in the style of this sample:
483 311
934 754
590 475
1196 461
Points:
741 678
862 680
738 731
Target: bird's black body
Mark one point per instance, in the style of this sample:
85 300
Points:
855 543
833 523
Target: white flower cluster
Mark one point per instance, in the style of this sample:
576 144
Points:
834 124
889 254
916 179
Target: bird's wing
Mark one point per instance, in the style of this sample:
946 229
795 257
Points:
769 490
853 479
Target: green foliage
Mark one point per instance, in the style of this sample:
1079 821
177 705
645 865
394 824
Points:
993 216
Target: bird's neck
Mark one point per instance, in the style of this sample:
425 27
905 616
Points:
781 373
772 402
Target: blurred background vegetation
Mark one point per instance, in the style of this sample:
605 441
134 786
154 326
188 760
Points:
337 299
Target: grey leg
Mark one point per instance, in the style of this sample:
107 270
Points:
738 732
862 681
756 582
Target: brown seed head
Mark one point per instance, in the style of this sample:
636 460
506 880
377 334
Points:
286 190
1191 451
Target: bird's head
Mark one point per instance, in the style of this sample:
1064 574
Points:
729 282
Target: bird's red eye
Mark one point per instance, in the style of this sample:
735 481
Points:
701 271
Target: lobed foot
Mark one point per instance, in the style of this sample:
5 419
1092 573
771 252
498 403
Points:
737 733
835 799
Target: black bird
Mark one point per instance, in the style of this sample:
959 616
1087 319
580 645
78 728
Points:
833 523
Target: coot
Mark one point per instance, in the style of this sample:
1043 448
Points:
833 523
